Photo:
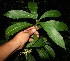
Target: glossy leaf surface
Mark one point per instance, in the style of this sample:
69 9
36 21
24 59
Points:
50 50
33 8
15 28
51 13
42 53
54 35
36 43
39 43
15 14
60 26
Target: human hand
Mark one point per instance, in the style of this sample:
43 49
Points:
17 42
25 35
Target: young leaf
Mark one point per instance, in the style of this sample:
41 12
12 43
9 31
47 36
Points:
34 16
15 14
60 26
33 8
15 28
54 35
51 13
50 50
42 53
29 57
45 41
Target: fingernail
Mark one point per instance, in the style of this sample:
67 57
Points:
33 30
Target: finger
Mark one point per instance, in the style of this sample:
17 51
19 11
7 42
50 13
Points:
25 30
38 35
33 27
30 28
36 27
31 39
36 32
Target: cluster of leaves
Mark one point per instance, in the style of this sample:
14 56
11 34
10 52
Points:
51 27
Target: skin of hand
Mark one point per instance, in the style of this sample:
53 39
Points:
25 36
17 42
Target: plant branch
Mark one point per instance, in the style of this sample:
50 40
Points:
37 22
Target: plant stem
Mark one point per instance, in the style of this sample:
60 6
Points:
37 22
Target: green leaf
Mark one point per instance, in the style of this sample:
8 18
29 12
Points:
51 13
34 16
42 53
33 8
36 43
60 26
45 41
54 35
39 26
29 57
50 50
15 28
33 42
15 14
